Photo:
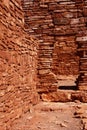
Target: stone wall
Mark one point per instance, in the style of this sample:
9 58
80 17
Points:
82 50
18 63
57 24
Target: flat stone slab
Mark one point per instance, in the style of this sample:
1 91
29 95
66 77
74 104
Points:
65 96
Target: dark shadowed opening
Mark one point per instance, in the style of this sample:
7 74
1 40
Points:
68 87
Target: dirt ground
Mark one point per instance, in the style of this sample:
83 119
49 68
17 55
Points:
54 116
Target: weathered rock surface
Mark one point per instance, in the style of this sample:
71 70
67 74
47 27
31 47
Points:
53 116
65 96
81 113
61 29
56 97
18 63
81 96
60 26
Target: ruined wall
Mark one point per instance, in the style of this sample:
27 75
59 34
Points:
18 63
57 24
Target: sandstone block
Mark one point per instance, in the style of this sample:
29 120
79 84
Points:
81 96
56 97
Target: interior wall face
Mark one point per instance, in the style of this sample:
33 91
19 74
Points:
18 63
58 25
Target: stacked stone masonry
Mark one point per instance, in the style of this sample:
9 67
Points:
61 29
60 26
82 49
18 64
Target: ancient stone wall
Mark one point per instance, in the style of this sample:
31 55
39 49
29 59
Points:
57 24
82 50
18 63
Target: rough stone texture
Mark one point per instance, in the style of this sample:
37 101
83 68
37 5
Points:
52 116
81 96
82 49
18 63
57 97
65 96
61 29
81 113
59 25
